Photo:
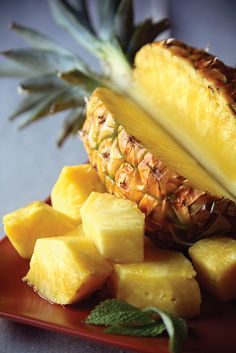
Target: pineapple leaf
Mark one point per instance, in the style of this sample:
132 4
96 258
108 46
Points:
55 102
66 17
36 38
124 24
81 11
106 10
10 69
144 33
77 77
26 104
72 124
44 61
42 83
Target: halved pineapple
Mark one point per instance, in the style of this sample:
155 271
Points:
72 188
37 220
177 213
165 279
191 94
66 269
116 226
214 260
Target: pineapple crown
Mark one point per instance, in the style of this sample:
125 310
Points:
54 79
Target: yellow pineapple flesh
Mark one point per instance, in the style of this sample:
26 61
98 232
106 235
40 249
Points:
177 214
214 260
116 227
72 188
37 220
67 269
165 280
192 95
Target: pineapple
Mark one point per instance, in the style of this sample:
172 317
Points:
214 260
36 220
177 214
165 280
72 188
164 152
116 227
66 269
76 231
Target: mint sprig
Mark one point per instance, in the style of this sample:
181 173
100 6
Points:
123 318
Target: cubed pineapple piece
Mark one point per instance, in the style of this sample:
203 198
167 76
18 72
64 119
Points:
74 185
37 220
66 270
214 260
116 226
165 280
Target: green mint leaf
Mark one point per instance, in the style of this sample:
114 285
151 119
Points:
175 326
118 313
152 330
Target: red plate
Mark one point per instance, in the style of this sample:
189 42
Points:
214 331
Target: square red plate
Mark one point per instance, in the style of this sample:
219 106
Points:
214 331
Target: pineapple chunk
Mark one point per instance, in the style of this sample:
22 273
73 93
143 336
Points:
214 260
65 269
37 220
72 188
165 279
116 226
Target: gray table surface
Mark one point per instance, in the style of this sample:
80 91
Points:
30 162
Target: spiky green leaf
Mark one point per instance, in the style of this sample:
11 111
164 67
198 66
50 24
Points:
72 124
42 83
55 102
65 17
36 38
123 21
43 61
10 69
27 104
106 10
77 77
144 33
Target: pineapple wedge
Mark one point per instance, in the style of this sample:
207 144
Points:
165 279
75 232
214 260
116 226
66 269
72 188
37 220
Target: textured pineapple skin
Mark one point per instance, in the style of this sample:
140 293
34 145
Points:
67 269
37 220
116 227
177 214
72 188
165 279
192 94
214 260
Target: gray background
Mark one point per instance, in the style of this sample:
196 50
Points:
30 161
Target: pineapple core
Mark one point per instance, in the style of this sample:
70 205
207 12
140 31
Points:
72 188
66 269
37 220
214 260
165 280
116 226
